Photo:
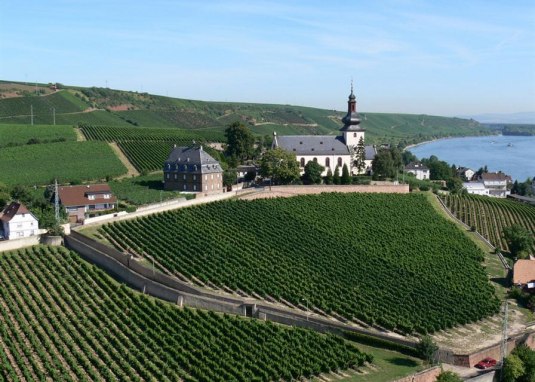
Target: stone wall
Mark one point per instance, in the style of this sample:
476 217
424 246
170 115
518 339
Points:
429 375
8 245
287 191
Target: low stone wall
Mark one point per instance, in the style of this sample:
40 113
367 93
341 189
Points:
9 245
428 375
54 241
288 191
104 218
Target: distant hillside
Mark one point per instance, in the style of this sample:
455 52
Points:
103 106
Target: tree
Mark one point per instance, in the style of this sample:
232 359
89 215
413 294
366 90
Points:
359 156
279 165
527 356
513 368
240 141
383 165
313 172
426 347
448 376
408 157
439 170
455 184
329 177
346 178
519 240
229 177
336 176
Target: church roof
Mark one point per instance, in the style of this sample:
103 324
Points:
313 144
370 152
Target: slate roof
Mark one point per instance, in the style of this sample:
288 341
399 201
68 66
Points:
370 152
13 209
313 144
72 196
416 166
524 271
191 159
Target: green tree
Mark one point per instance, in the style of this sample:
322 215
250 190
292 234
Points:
383 165
408 157
346 178
519 240
313 172
240 141
336 176
527 356
513 368
448 376
455 184
427 348
439 170
329 177
279 165
359 156
230 177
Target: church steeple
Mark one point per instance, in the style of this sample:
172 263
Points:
352 131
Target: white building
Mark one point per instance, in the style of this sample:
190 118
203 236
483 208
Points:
18 222
328 150
476 188
466 172
419 170
496 183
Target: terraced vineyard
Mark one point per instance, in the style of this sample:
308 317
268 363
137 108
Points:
15 135
63 319
491 215
383 259
147 148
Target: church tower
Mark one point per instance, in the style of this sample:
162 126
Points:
351 130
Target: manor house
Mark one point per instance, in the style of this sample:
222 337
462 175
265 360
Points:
332 151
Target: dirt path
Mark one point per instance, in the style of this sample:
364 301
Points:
131 169
80 137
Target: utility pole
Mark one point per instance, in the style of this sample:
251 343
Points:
504 337
31 114
54 115
56 200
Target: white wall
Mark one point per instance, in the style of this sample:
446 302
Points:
346 159
21 225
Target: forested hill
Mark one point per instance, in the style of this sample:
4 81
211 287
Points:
103 106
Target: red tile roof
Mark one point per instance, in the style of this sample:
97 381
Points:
12 210
524 271
71 196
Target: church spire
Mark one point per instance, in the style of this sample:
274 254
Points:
351 119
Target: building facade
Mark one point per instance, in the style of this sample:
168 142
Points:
332 151
191 169
497 183
18 222
85 199
420 171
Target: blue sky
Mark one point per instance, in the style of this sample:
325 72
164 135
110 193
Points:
433 57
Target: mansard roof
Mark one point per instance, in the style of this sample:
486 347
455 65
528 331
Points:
190 157
312 144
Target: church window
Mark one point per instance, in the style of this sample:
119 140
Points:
339 161
327 162
302 162
354 135
315 160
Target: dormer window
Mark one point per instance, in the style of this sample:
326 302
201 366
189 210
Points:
321 142
312 149
294 150
301 142
91 197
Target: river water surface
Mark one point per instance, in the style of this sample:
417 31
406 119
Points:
514 155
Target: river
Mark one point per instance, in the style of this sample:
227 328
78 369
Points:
513 155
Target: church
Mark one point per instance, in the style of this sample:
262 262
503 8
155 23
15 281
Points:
333 151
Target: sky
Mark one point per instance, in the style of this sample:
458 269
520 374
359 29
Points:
425 57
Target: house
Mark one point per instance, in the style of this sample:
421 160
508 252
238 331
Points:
328 150
84 199
497 183
17 222
191 169
476 188
524 274
419 170
465 173
243 170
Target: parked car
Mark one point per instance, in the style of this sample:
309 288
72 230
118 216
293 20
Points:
486 363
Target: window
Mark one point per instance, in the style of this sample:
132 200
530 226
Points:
327 162
354 135
185 187
211 176
212 186
91 197
315 160
195 168
206 188
206 177
175 176
184 177
194 177
185 168
302 162
106 196
167 175
218 186
194 187
339 161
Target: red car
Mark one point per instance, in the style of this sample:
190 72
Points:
486 363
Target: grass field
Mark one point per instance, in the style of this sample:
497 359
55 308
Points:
66 161
143 190
64 319
15 135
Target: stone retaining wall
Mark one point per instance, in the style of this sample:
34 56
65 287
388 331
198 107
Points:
428 375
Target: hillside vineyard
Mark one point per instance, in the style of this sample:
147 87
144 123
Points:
385 259
491 215
63 319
